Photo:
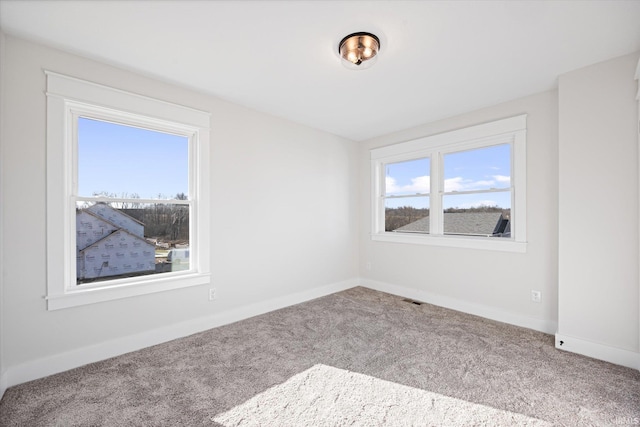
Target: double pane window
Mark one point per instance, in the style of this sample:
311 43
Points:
466 185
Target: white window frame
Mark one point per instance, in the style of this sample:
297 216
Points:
506 131
69 98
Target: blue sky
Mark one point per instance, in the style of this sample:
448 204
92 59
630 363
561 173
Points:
472 170
121 159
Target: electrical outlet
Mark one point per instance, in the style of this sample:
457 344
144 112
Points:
536 296
368 266
212 294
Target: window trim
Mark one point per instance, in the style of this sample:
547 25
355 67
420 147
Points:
510 130
66 98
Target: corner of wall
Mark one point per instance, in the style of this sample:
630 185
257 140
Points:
596 107
481 310
598 351
3 382
637 77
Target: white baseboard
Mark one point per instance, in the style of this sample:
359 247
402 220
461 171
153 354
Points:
607 353
546 326
78 357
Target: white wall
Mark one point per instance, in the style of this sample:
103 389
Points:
492 284
283 222
287 224
598 216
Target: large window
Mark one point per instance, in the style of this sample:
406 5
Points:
126 194
463 188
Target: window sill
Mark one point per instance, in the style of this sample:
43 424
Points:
77 297
483 243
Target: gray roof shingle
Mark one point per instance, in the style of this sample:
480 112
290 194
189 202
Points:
468 223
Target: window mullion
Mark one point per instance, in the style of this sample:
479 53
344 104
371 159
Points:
437 186
193 195
378 198
69 244
70 247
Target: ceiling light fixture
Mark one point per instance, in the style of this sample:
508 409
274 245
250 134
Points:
359 50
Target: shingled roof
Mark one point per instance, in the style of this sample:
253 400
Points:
467 223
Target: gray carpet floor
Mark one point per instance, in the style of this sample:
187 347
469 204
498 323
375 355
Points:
357 357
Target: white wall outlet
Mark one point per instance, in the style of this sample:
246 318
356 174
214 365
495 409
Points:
536 296
368 265
213 294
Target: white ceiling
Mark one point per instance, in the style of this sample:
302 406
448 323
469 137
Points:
438 59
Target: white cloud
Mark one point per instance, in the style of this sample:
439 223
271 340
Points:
454 184
420 184
502 179
460 184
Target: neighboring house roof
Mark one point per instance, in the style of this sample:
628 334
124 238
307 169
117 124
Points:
116 217
121 230
419 226
98 205
120 246
468 223
99 217
87 232
116 226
